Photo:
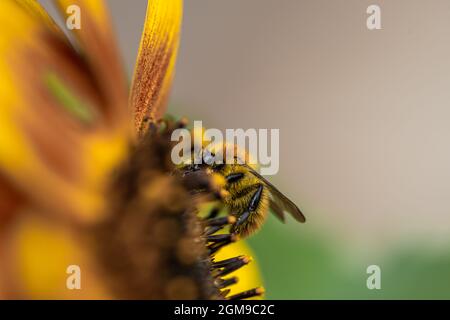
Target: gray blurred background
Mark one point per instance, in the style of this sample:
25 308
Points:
364 128
364 116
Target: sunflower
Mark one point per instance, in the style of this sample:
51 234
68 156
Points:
85 170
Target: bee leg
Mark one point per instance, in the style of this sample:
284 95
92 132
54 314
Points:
251 207
234 177
242 218
256 198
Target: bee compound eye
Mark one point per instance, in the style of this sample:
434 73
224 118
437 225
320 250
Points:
208 157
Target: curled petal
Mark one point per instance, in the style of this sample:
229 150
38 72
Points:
156 61
56 141
96 41
35 9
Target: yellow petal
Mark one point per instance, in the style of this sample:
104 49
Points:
36 258
34 8
156 61
53 125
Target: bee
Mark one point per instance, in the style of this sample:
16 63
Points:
248 195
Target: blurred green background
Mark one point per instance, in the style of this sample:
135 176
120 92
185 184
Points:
312 264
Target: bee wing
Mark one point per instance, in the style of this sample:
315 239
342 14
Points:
277 210
279 203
